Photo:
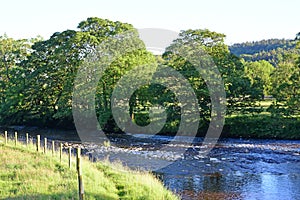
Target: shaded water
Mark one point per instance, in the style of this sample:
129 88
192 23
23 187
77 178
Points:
234 169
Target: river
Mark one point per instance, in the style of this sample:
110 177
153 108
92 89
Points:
233 169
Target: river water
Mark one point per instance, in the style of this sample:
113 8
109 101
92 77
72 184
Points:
233 169
239 169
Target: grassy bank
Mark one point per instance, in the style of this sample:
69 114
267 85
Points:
26 174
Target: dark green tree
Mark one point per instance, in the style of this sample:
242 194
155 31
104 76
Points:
45 91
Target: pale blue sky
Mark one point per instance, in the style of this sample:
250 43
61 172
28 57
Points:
240 20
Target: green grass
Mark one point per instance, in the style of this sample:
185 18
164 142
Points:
27 174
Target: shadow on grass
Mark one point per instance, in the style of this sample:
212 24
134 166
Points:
60 196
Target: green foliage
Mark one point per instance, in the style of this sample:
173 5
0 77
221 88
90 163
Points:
259 46
263 127
112 76
237 85
272 50
37 76
12 76
42 82
259 73
285 87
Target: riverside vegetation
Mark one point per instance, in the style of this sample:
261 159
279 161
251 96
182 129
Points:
37 76
37 81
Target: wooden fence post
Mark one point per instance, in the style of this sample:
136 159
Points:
79 172
53 147
5 136
27 139
38 143
60 151
16 138
70 156
45 145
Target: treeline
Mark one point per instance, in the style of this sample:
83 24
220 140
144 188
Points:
272 50
37 80
263 45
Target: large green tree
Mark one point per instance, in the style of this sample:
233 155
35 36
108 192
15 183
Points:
259 73
45 95
237 85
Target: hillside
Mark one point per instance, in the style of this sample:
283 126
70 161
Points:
272 50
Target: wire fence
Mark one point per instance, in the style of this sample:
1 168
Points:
45 146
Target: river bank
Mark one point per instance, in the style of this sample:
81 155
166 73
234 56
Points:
259 126
235 168
27 174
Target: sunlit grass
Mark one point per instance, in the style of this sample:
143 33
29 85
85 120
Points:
27 174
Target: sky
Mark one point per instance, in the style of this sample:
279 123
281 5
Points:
239 20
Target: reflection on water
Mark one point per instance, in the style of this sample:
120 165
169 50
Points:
239 169
262 186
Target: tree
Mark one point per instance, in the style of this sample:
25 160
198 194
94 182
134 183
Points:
12 77
106 31
237 85
259 73
285 87
272 50
49 73
46 84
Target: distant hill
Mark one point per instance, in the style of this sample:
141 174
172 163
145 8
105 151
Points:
272 50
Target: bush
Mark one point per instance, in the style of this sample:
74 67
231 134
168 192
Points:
263 126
